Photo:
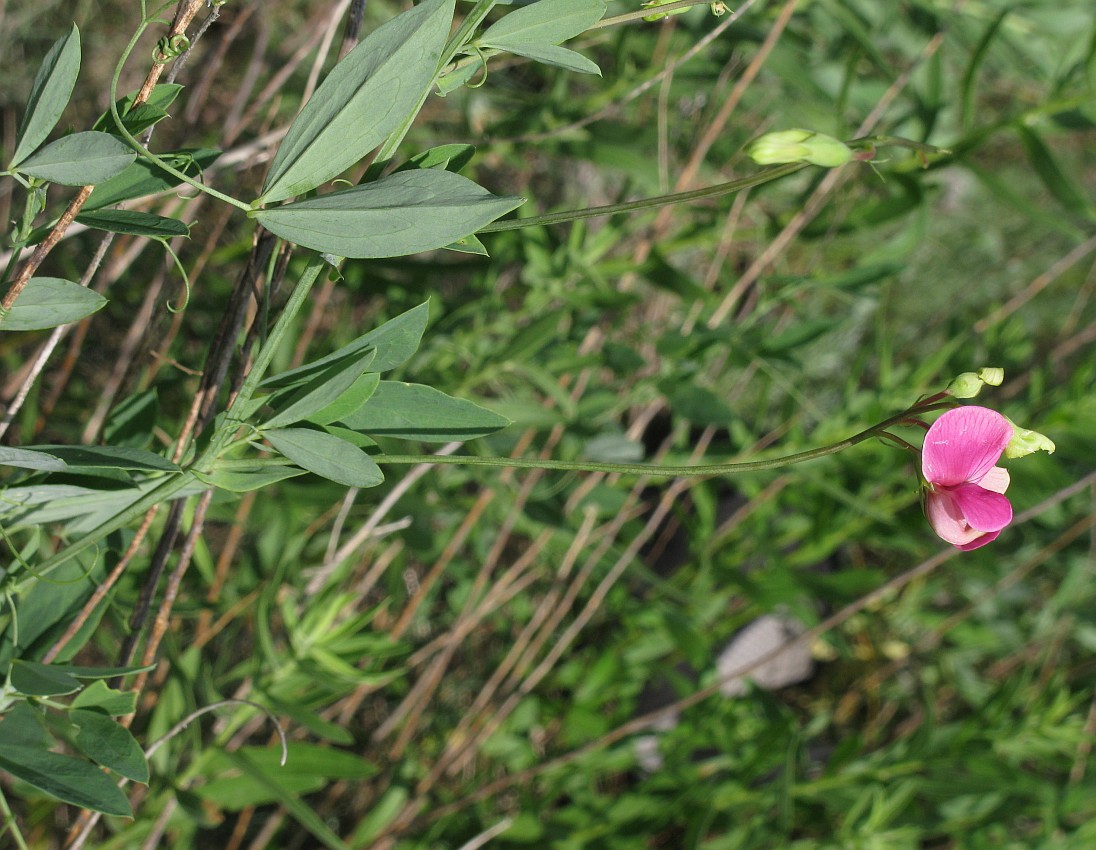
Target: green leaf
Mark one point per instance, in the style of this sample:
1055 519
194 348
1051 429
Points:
135 223
41 680
80 159
326 456
400 214
100 672
552 54
358 394
547 22
370 93
100 697
395 341
468 245
27 459
143 178
446 157
24 725
70 780
144 116
110 457
319 391
417 412
110 744
49 95
47 302
251 478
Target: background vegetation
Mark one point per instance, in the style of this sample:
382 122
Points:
464 656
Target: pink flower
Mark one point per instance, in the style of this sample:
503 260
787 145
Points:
964 504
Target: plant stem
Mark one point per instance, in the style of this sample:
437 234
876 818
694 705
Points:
648 203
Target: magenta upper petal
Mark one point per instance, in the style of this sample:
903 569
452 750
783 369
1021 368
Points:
983 509
963 445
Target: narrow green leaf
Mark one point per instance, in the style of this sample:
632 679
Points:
100 672
70 780
47 302
100 697
318 392
111 457
80 159
143 178
41 680
245 480
144 116
110 744
552 54
358 394
546 22
27 459
417 412
448 157
395 341
134 223
401 214
370 93
326 456
49 95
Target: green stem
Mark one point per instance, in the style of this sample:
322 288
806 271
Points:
224 437
141 149
10 824
628 17
727 188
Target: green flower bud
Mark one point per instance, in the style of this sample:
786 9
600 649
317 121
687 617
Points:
992 375
1024 442
967 385
658 16
799 146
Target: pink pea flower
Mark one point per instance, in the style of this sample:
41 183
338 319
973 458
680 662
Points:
964 503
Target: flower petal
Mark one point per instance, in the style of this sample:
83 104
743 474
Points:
983 509
997 480
963 445
981 540
947 520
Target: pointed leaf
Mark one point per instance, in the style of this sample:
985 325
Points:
49 95
327 456
448 157
101 697
319 391
250 478
370 93
110 744
110 457
395 341
80 159
546 22
417 412
134 223
41 680
401 214
358 394
144 116
143 178
552 54
71 780
27 459
47 302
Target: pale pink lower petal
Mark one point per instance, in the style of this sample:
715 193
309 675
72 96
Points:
963 445
947 520
983 509
988 537
996 479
